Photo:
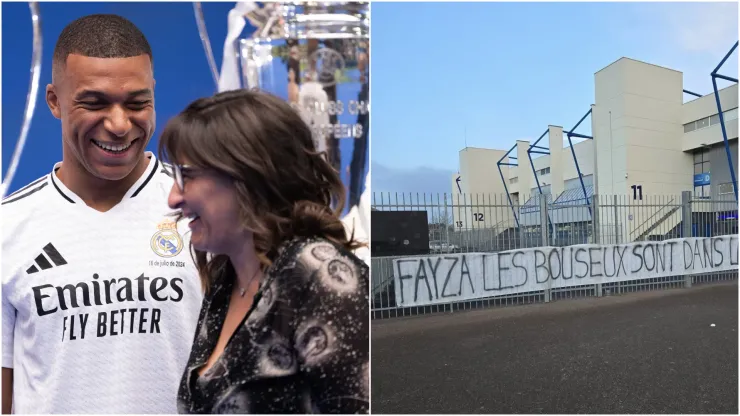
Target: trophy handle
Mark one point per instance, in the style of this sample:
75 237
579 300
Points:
30 97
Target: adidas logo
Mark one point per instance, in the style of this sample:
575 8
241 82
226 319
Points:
42 261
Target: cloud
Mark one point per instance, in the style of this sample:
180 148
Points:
688 37
420 180
704 27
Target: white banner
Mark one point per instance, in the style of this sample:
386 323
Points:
428 280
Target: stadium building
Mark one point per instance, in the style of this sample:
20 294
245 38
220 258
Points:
647 147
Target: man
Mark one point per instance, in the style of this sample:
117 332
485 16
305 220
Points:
100 294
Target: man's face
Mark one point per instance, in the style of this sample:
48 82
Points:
106 106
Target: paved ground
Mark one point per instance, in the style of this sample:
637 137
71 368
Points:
650 352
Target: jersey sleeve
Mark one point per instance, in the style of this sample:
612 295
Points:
9 315
6 268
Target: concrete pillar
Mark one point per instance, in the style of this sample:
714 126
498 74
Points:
526 177
556 161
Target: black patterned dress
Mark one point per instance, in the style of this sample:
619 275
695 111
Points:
304 347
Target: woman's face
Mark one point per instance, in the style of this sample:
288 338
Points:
209 204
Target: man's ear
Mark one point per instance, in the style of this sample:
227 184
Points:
52 100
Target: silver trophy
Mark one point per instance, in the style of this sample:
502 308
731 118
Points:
316 56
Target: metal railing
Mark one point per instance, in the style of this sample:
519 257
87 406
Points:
654 221
479 223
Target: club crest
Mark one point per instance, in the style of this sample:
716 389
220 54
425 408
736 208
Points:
167 242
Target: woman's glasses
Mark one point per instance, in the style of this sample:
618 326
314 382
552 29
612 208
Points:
178 169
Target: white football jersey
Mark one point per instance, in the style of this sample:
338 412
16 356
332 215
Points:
99 308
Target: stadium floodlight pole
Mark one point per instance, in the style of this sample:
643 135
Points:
30 99
534 172
506 188
715 75
575 159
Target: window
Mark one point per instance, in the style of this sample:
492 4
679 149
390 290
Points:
514 180
544 171
701 165
702 192
725 188
701 158
702 168
731 114
701 162
710 121
698 157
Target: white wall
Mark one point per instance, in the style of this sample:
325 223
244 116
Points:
709 136
638 127
524 171
483 200
707 105
479 170
704 107
567 167
585 154
557 159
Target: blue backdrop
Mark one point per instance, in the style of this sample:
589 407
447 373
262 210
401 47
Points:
180 69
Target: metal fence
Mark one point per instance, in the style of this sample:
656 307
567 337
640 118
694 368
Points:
491 223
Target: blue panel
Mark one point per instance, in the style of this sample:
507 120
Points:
723 216
701 179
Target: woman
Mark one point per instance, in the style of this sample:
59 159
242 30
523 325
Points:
284 323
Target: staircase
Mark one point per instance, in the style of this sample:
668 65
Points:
670 219
509 239
667 214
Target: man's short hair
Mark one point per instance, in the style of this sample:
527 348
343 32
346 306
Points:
100 36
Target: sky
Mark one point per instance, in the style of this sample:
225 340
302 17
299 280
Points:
488 74
181 70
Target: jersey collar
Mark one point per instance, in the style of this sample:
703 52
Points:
137 187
